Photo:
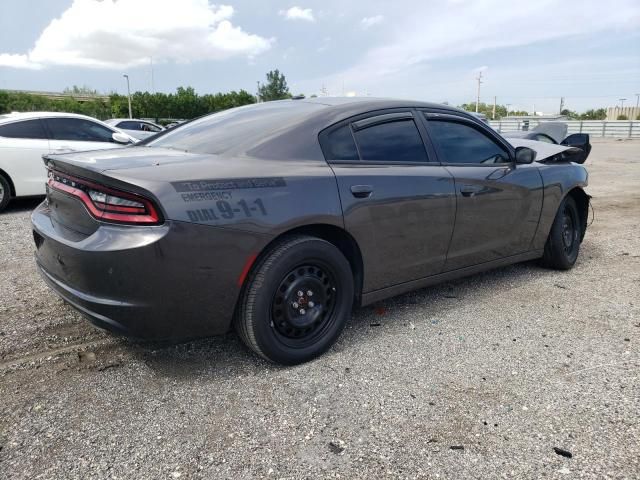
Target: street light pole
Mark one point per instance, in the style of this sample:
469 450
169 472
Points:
128 94
622 102
637 100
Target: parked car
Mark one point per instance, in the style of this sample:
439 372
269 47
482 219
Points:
174 124
555 133
25 137
138 129
277 218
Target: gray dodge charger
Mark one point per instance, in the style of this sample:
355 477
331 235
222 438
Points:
277 218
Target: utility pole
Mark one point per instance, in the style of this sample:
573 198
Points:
561 105
128 94
258 92
478 96
637 100
508 105
493 116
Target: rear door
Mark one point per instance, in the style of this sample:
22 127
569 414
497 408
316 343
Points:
498 203
398 203
22 144
70 134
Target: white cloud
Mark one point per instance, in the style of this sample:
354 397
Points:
125 33
297 13
466 28
18 61
368 22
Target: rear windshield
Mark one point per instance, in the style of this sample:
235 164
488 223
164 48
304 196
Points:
238 128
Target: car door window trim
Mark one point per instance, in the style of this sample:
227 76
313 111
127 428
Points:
379 117
448 117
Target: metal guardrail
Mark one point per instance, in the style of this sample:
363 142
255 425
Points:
596 128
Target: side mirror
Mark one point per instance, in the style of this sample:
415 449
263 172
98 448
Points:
525 155
121 138
581 141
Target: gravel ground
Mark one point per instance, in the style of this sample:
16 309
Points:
479 378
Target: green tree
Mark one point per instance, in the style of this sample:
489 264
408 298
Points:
487 109
570 114
83 90
597 114
276 87
622 117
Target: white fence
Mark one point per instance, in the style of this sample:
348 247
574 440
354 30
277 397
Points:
596 128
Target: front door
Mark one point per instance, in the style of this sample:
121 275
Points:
398 204
498 203
69 134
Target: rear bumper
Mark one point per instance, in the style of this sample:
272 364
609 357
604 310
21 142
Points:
173 281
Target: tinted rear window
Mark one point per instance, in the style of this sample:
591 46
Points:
397 141
25 129
237 128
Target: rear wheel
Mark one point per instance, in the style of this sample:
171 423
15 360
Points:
5 193
563 244
297 301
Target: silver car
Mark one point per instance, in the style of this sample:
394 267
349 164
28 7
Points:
138 129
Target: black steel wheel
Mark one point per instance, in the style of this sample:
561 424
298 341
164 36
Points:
563 244
297 300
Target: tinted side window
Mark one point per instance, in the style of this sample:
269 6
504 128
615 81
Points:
26 129
77 129
460 143
129 125
340 145
397 141
148 127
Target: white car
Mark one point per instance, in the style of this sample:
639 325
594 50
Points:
25 137
139 129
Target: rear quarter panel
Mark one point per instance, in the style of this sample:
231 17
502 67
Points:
21 160
239 193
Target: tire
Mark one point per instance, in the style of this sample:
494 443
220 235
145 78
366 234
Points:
5 193
563 244
278 323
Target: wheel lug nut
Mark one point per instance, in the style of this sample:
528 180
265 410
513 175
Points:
302 311
309 293
294 304
311 304
300 293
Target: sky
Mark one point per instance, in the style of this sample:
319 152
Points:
530 53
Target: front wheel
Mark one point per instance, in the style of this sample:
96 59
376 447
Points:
297 301
5 193
563 244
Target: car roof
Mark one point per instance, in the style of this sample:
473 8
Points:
128 120
13 116
294 123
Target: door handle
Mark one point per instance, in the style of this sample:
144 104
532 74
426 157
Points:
361 191
470 190
64 148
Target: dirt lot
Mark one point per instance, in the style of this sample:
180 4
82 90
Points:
478 378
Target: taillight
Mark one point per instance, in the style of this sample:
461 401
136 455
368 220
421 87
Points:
106 203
